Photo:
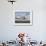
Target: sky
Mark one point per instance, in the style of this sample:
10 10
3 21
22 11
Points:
22 13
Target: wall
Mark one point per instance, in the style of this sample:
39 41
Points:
9 31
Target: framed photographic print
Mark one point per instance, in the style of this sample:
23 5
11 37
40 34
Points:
23 17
